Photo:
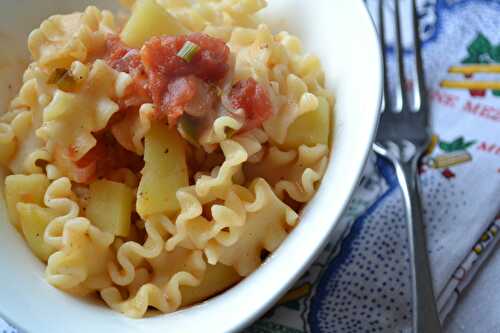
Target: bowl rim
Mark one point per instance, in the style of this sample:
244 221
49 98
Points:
249 318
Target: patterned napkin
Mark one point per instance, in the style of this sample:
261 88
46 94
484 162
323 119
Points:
362 284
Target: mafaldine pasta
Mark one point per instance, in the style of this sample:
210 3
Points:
156 160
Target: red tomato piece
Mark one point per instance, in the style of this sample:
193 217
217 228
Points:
159 55
63 158
105 157
174 85
128 60
178 94
254 99
174 82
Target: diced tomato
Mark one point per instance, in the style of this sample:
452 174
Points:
105 157
110 155
174 85
187 94
178 93
63 159
128 60
72 152
121 57
173 82
97 153
254 99
159 55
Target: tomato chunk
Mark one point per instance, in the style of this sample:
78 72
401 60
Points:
254 99
104 158
159 55
187 94
128 60
173 81
173 84
110 155
122 58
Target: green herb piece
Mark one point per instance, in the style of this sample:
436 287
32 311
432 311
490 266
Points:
188 51
188 129
229 132
63 79
67 83
56 75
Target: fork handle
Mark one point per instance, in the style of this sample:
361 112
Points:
425 315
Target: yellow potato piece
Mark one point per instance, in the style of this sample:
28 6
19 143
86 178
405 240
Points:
110 206
311 128
149 19
165 171
217 279
24 188
34 219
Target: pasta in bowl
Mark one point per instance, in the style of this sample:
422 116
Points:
156 160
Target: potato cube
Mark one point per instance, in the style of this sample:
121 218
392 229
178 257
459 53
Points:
310 128
110 206
164 173
149 19
34 219
217 279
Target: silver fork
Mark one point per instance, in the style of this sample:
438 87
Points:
403 135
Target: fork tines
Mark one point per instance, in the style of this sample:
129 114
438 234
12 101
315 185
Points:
401 100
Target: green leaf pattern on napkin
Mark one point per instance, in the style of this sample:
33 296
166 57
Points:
482 51
456 145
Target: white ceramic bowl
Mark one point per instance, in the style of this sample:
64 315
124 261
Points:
341 33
